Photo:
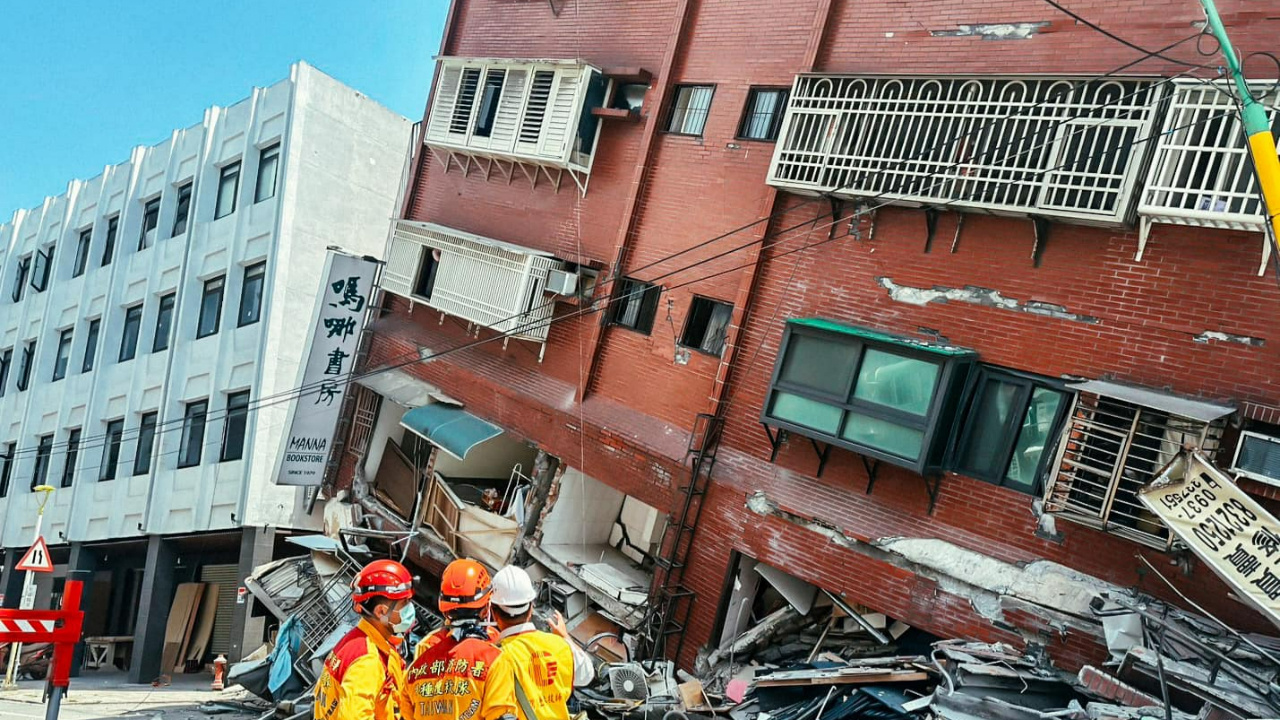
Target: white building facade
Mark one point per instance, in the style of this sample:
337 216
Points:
152 323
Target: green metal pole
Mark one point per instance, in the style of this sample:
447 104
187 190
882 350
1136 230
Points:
1262 145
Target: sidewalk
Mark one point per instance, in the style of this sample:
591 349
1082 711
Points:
107 694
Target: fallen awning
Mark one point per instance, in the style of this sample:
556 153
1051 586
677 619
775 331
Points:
449 427
1172 404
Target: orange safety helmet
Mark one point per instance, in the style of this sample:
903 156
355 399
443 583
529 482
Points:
465 585
382 578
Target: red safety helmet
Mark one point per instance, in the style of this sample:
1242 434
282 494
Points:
382 578
465 585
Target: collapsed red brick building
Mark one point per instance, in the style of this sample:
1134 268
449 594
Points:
918 295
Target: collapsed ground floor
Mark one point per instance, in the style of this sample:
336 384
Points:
159 604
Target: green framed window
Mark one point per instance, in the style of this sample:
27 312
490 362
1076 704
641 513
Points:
1010 428
880 395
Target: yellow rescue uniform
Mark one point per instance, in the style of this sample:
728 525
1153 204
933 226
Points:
435 635
454 680
542 665
362 678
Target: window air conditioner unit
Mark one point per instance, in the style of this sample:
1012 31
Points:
1258 458
562 282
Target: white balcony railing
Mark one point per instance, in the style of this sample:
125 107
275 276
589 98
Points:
1054 147
1201 174
483 281
532 114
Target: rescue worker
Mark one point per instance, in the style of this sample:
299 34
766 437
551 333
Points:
451 677
546 666
363 675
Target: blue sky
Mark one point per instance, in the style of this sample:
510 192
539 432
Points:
85 81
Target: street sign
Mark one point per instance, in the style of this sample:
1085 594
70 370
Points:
36 559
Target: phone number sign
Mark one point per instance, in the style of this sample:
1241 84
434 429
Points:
1222 525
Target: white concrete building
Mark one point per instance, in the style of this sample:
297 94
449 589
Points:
142 309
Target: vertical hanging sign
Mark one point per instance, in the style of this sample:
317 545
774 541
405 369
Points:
330 359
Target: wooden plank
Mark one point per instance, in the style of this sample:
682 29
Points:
204 623
175 626
180 662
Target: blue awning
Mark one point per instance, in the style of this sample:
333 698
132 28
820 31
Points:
449 427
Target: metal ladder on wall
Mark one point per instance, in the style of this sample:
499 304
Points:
670 602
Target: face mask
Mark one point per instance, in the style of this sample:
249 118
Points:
408 614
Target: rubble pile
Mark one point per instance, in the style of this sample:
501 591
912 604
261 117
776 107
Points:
840 664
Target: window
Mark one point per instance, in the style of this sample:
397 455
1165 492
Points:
20 282
111 450
91 345
1010 429
234 428
1117 440
44 449
707 325
193 420
146 443
24 364
251 294
40 269
228 188
64 354
763 114
73 456
489 102
183 210
466 100
109 247
6 468
164 323
82 252
425 282
268 172
210 307
6 361
879 395
132 326
635 305
689 109
150 219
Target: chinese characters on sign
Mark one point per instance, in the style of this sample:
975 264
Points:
1224 527
330 360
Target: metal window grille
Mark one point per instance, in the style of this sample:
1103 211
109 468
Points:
486 282
1201 174
517 110
1055 147
690 109
362 421
1110 449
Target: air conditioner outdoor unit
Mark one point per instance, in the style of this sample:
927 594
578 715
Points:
562 282
1258 457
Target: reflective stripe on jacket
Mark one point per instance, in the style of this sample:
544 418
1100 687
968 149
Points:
362 678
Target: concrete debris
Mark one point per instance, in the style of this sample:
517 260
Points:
1215 336
995 31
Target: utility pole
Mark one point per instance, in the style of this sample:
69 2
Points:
28 589
1262 145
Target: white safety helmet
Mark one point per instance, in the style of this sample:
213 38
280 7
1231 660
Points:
513 590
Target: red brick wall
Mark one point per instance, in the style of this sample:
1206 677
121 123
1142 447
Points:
1147 314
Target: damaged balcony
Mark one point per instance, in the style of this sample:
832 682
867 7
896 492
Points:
1201 174
451 482
504 115
601 542
1051 148
489 283
1118 439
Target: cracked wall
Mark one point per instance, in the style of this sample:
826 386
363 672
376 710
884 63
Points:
995 31
974 295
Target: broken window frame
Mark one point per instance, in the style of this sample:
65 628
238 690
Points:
1100 426
934 424
968 425
635 306
699 332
